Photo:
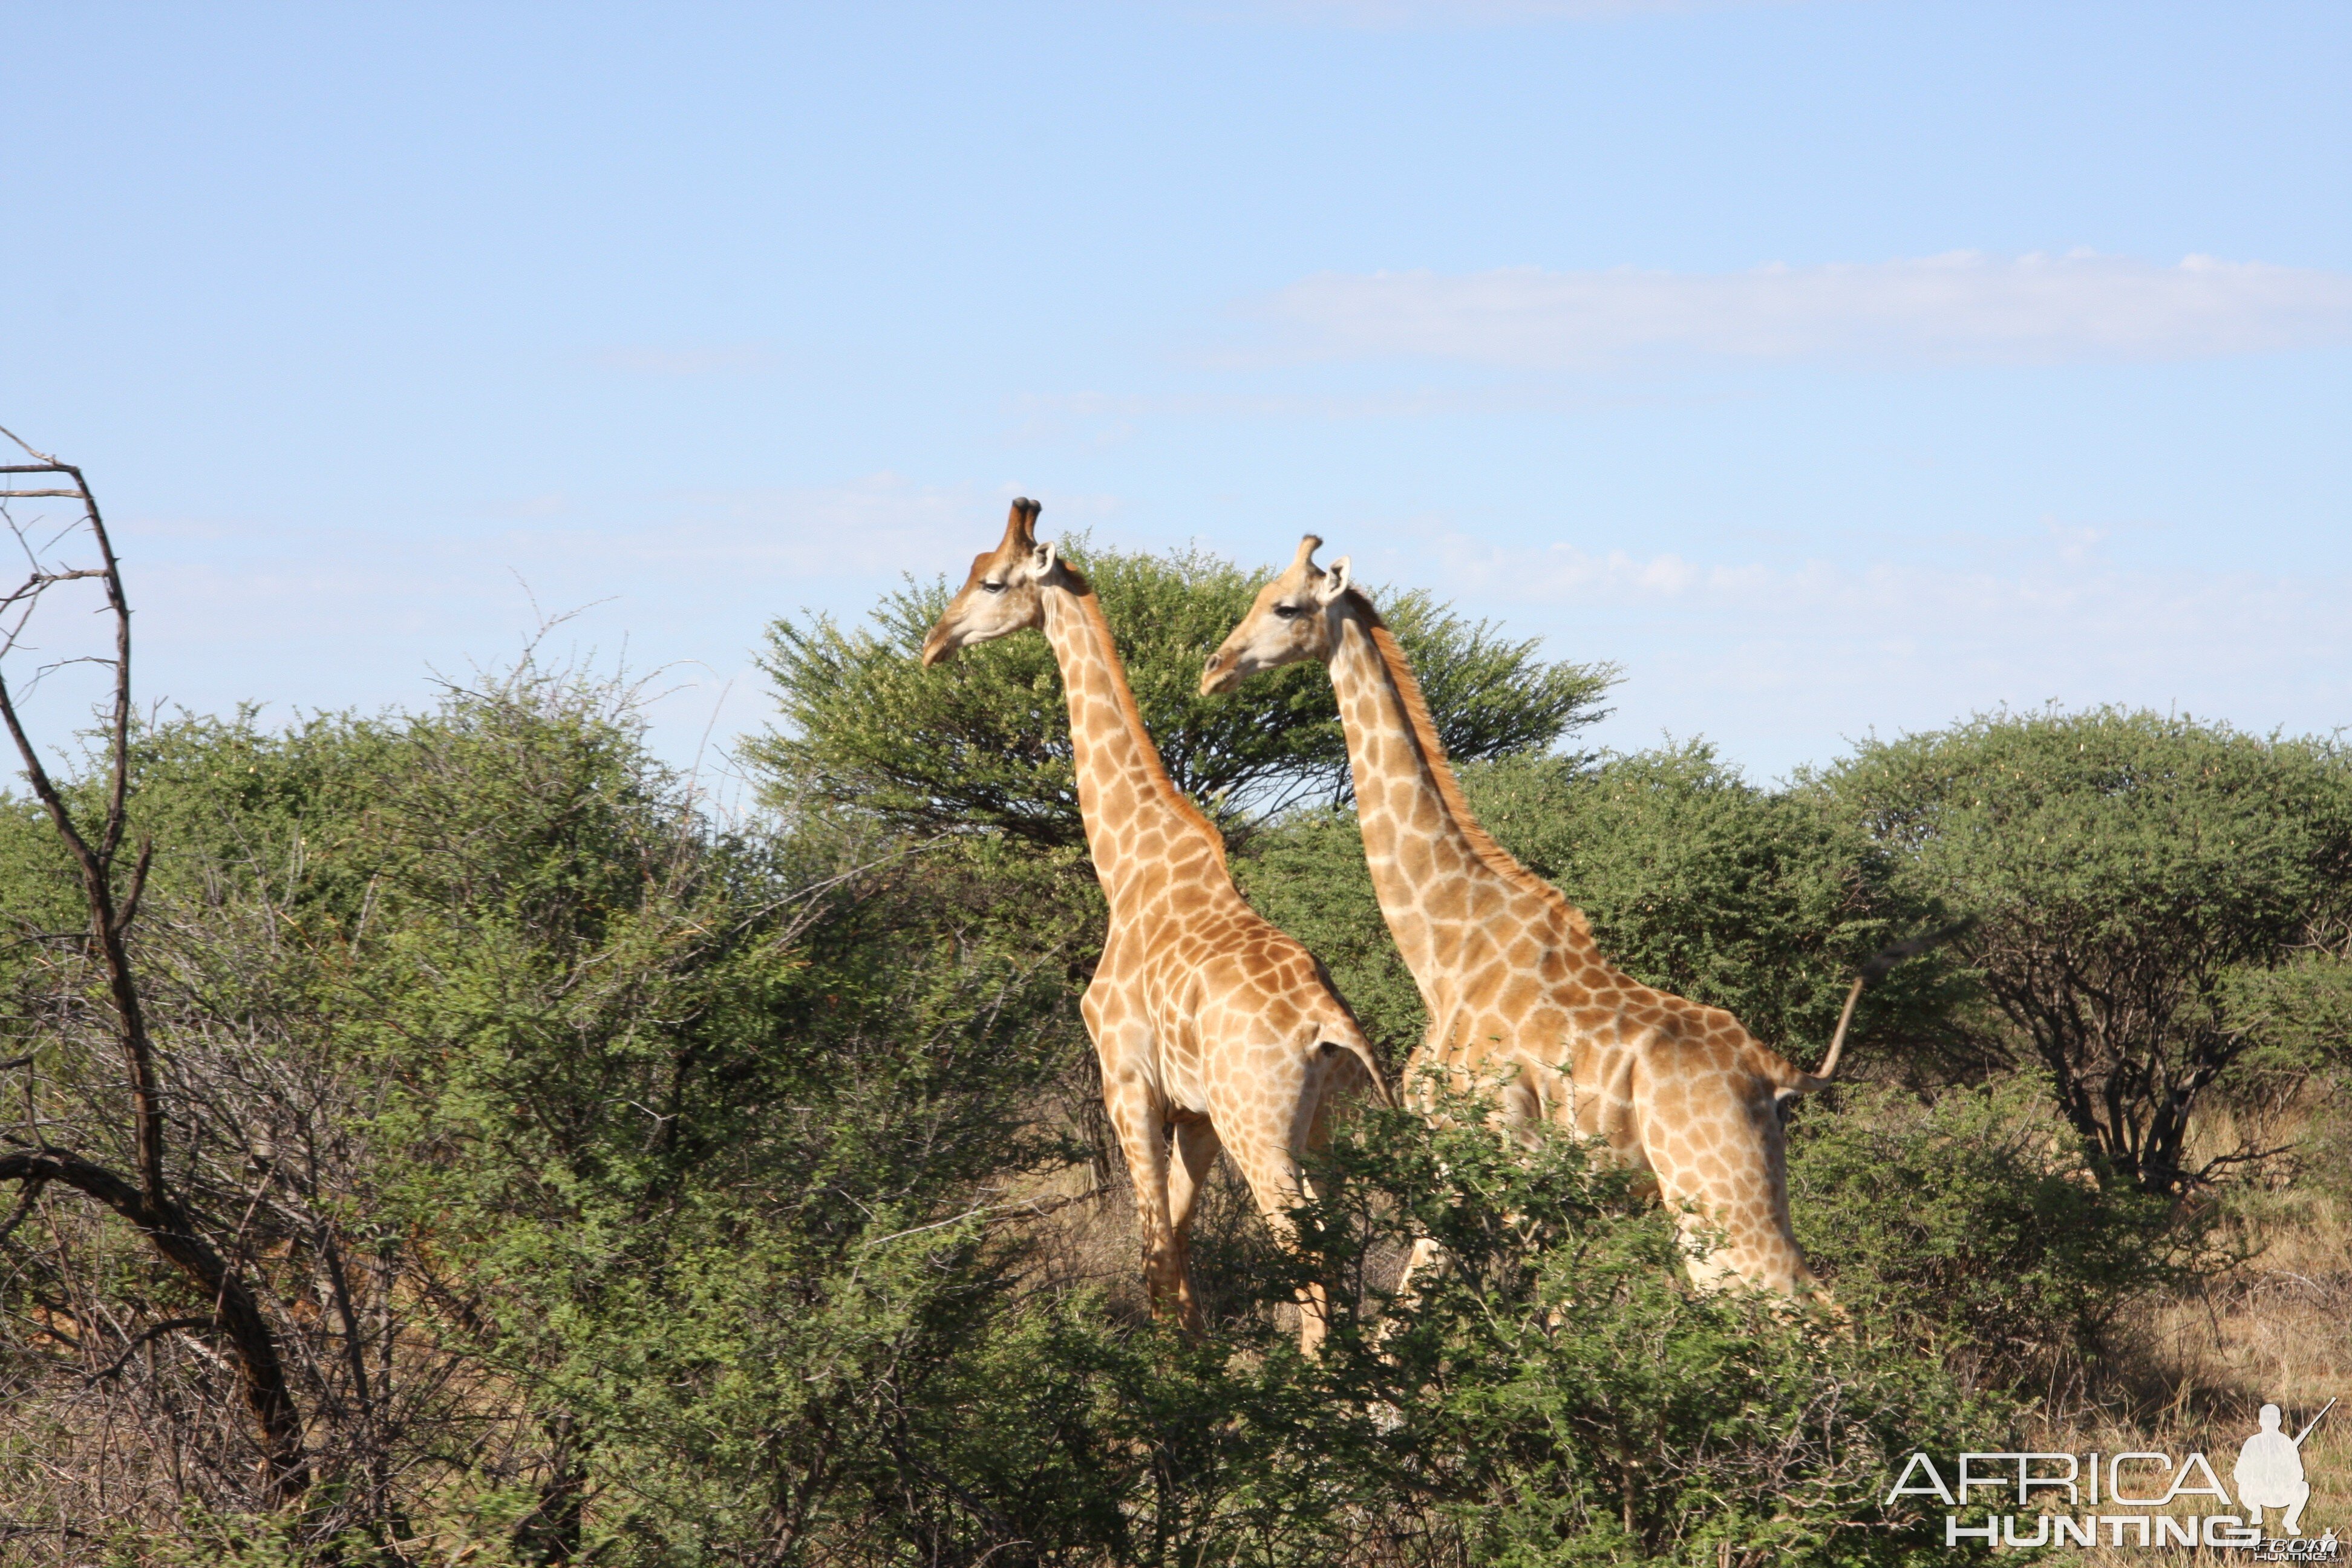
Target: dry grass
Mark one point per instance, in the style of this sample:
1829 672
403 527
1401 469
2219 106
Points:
2276 1329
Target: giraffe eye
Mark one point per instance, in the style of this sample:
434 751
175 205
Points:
993 587
1288 612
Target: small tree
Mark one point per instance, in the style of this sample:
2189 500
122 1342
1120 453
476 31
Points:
2127 869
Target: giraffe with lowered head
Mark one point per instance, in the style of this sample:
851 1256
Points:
1206 1018
1516 989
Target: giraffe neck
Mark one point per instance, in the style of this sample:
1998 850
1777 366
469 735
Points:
1140 831
1436 872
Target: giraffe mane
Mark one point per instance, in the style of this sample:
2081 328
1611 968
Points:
1499 860
1091 607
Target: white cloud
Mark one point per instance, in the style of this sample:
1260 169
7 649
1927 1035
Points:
1783 661
1964 307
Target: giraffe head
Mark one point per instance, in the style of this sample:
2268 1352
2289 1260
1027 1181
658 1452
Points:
1001 596
1292 620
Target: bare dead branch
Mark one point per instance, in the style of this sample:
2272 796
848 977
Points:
138 884
147 1199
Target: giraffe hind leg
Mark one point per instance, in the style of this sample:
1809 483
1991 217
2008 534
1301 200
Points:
1197 1145
1734 1212
1137 1117
1278 1185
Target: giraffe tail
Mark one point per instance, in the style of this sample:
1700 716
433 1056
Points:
1876 968
1356 1046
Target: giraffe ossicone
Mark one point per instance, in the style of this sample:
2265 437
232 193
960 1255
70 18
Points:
1208 1020
1516 989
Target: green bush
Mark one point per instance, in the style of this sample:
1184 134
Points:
1976 1218
1560 1394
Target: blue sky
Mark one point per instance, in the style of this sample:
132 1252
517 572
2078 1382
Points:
1830 367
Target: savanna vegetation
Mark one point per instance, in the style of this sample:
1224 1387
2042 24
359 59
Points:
618 1181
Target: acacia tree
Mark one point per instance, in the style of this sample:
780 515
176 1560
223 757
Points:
2130 873
985 742
144 1195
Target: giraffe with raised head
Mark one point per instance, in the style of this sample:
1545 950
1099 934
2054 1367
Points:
1517 992
1207 1019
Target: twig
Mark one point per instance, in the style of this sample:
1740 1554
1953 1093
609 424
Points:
24 1206
1035 1208
157 1331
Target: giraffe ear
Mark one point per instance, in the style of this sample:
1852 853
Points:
1335 581
1042 557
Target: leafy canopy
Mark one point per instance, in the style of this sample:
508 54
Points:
1559 1394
